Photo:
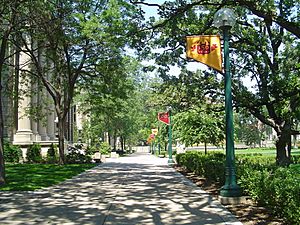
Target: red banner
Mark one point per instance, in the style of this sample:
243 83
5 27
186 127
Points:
164 117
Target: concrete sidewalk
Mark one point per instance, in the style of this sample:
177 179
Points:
136 190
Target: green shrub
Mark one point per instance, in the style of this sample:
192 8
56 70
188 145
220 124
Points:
284 194
162 153
52 154
296 159
33 154
180 159
252 181
210 166
272 186
91 150
278 189
105 148
12 153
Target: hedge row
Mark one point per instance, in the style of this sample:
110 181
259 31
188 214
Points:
13 154
271 186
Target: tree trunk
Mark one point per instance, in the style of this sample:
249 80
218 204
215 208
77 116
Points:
290 147
205 148
115 142
282 154
2 165
61 140
2 60
122 143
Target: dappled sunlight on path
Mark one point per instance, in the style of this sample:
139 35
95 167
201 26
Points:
140 189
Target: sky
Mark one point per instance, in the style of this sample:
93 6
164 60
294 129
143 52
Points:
151 10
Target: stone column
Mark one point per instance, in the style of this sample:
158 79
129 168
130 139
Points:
24 132
79 123
43 100
35 137
42 124
34 125
51 125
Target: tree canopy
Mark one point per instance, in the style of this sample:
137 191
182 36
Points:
71 40
264 46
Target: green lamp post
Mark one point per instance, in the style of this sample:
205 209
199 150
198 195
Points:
225 19
170 160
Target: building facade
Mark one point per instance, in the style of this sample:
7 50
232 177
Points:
28 109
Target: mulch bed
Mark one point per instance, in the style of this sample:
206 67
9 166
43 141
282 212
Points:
248 214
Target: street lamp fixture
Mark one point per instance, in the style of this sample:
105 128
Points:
170 160
225 19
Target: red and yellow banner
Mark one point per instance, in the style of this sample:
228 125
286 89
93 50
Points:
154 131
164 117
205 49
151 138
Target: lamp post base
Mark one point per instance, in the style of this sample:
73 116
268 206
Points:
233 200
232 190
171 161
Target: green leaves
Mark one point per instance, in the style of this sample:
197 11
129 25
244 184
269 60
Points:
265 50
269 185
114 99
199 126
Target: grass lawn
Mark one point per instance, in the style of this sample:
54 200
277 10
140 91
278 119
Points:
296 167
29 177
264 151
267 151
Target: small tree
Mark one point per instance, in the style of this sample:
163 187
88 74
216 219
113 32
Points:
196 126
12 153
33 154
105 148
52 156
249 130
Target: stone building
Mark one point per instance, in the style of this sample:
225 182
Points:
28 110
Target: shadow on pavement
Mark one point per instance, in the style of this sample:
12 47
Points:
124 191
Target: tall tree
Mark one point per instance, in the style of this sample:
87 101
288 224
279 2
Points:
113 98
67 40
266 10
271 63
259 45
9 18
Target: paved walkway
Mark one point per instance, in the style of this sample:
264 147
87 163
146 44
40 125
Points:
136 190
